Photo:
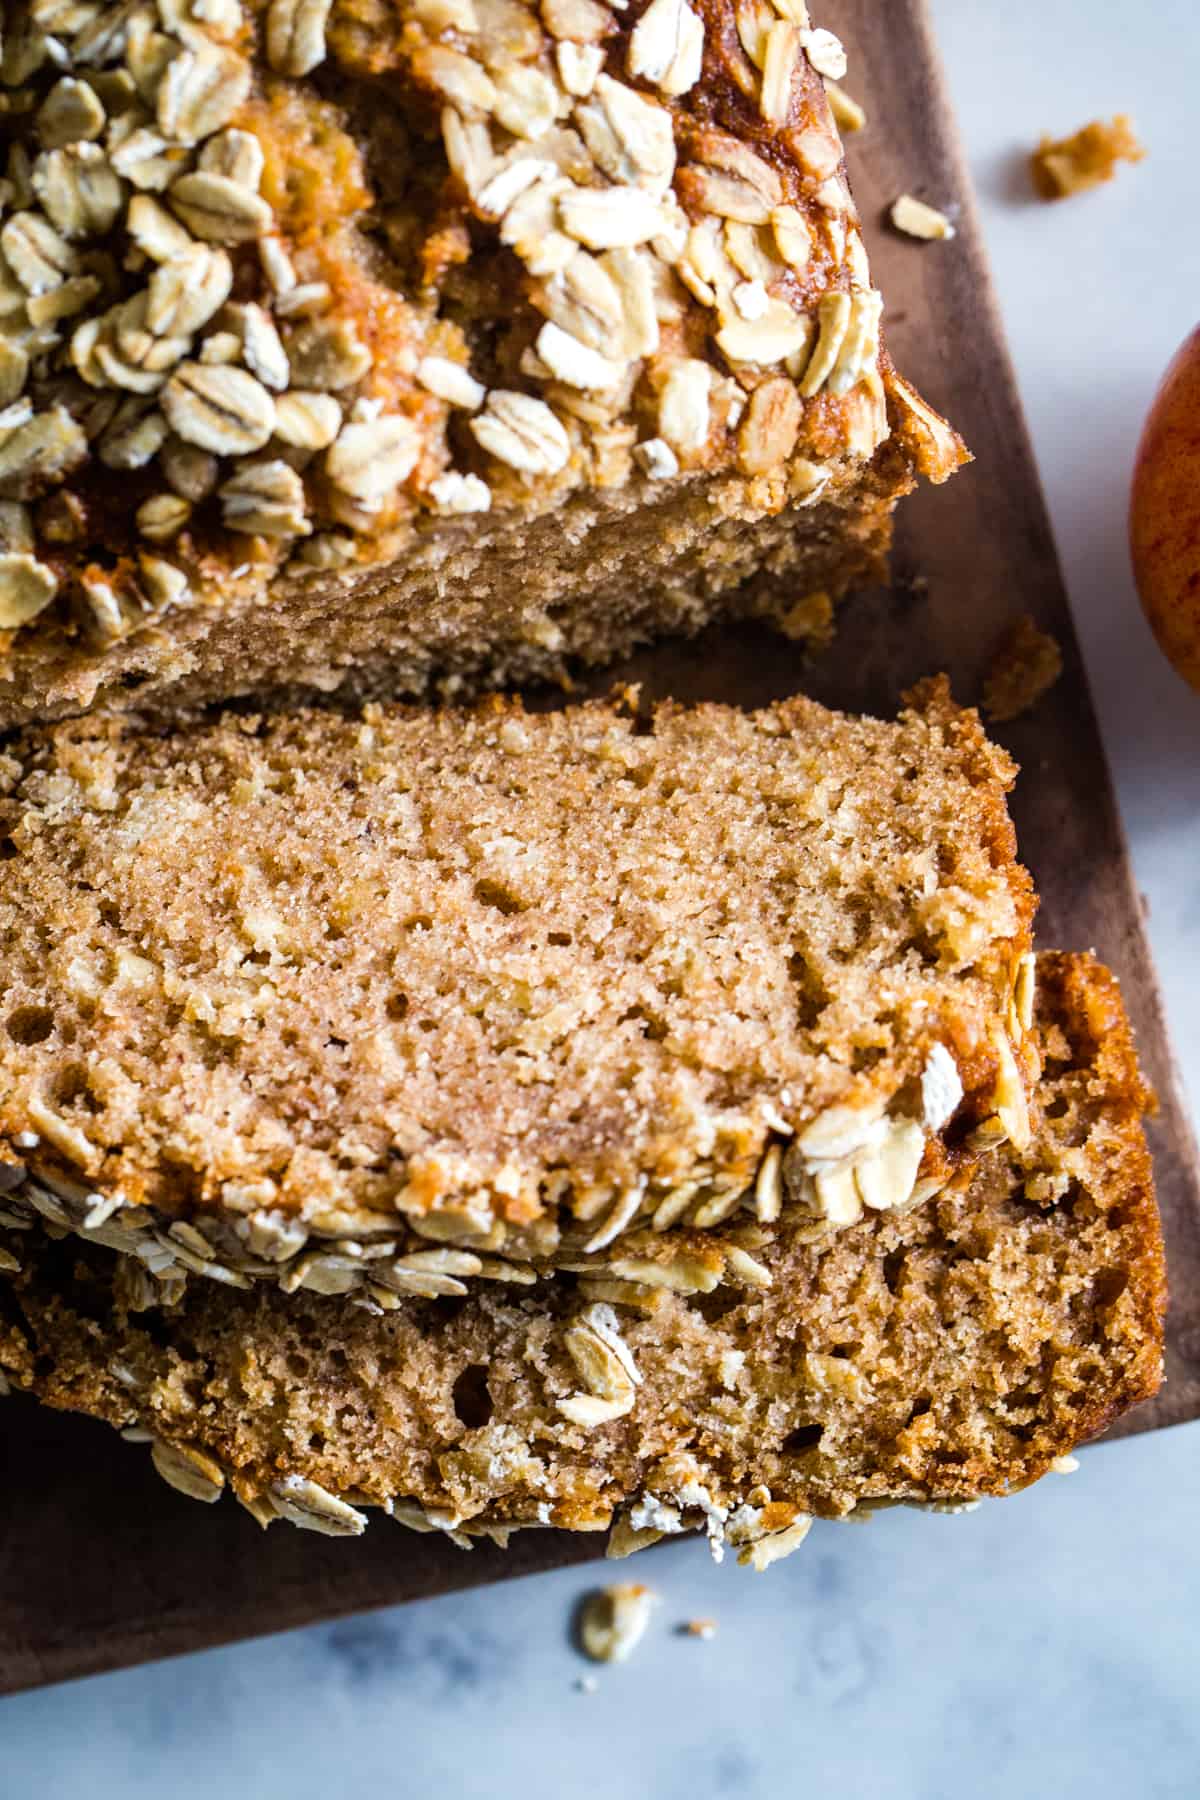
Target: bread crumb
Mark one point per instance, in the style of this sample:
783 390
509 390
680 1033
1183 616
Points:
613 1620
1025 665
699 1628
918 220
810 617
1071 165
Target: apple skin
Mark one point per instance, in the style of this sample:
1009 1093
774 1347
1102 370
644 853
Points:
1164 513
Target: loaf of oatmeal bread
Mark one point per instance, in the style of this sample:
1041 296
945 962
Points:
425 342
367 1005
950 1351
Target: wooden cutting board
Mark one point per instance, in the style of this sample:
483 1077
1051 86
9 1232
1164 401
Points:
101 1565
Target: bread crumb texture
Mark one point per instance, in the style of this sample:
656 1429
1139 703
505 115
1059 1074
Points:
517 983
952 1351
320 317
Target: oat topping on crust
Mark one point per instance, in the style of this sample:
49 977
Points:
215 284
904 1363
849 115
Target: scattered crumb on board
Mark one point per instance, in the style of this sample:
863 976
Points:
917 219
1025 665
1087 159
811 618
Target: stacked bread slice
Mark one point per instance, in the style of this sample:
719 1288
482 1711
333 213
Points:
375 1007
576 1118
607 1116
931 1354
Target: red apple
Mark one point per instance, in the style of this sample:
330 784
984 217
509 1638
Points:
1164 514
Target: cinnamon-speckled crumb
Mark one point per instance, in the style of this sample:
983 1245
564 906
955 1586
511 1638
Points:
486 975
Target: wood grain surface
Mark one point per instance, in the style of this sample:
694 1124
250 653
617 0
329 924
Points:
101 1565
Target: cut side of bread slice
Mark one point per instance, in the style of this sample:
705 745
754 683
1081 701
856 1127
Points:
440 346
934 1356
379 1006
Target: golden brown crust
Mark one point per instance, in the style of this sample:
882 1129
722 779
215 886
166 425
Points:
1099 1074
934 447
953 1351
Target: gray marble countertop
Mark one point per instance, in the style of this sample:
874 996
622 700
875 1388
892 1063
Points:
1049 1645
1044 1645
